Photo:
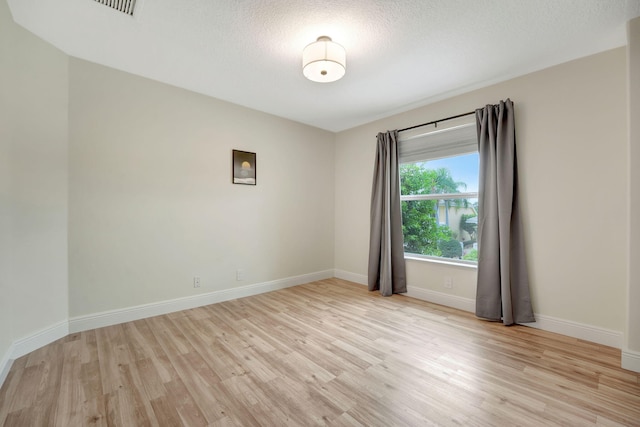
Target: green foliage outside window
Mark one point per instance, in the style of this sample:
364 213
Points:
422 234
451 248
471 256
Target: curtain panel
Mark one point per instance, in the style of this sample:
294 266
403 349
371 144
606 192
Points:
503 283
386 271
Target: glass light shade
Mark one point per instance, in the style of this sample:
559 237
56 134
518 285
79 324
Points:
324 61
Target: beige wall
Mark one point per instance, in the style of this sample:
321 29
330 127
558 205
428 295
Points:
151 203
33 183
6 333
633 322
571 129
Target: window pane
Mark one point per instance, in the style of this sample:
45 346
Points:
448 175
439 227
442 228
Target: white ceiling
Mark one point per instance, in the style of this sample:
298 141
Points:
400 54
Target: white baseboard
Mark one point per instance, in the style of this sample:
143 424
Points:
546 323
352 277
454 301
30 343
39 339
630 360
114 317
82 323
578 330
448 300
5 365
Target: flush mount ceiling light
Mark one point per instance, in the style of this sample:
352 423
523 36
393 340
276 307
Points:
324 61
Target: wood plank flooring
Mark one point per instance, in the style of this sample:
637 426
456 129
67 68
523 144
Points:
325 353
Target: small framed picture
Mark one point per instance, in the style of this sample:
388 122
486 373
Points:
244 167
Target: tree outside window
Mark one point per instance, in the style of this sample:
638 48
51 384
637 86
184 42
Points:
439 218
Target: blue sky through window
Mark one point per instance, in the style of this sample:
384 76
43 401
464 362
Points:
463 168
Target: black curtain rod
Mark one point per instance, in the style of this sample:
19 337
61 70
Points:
435 122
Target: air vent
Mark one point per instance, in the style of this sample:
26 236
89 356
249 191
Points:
124 6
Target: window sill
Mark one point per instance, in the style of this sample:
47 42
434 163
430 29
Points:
451 263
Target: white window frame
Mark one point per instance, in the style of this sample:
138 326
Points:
433 145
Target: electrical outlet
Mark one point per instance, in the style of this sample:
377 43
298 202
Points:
239 275
196 281
448 282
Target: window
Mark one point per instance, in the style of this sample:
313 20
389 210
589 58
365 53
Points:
439 193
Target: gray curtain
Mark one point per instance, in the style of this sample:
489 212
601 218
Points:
503 283
386 251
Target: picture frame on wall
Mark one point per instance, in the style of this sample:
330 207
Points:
244 167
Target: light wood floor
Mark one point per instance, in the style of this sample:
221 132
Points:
326 353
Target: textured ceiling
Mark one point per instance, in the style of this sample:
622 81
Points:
400 54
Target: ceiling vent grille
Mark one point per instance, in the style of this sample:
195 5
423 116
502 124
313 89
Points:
124 6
